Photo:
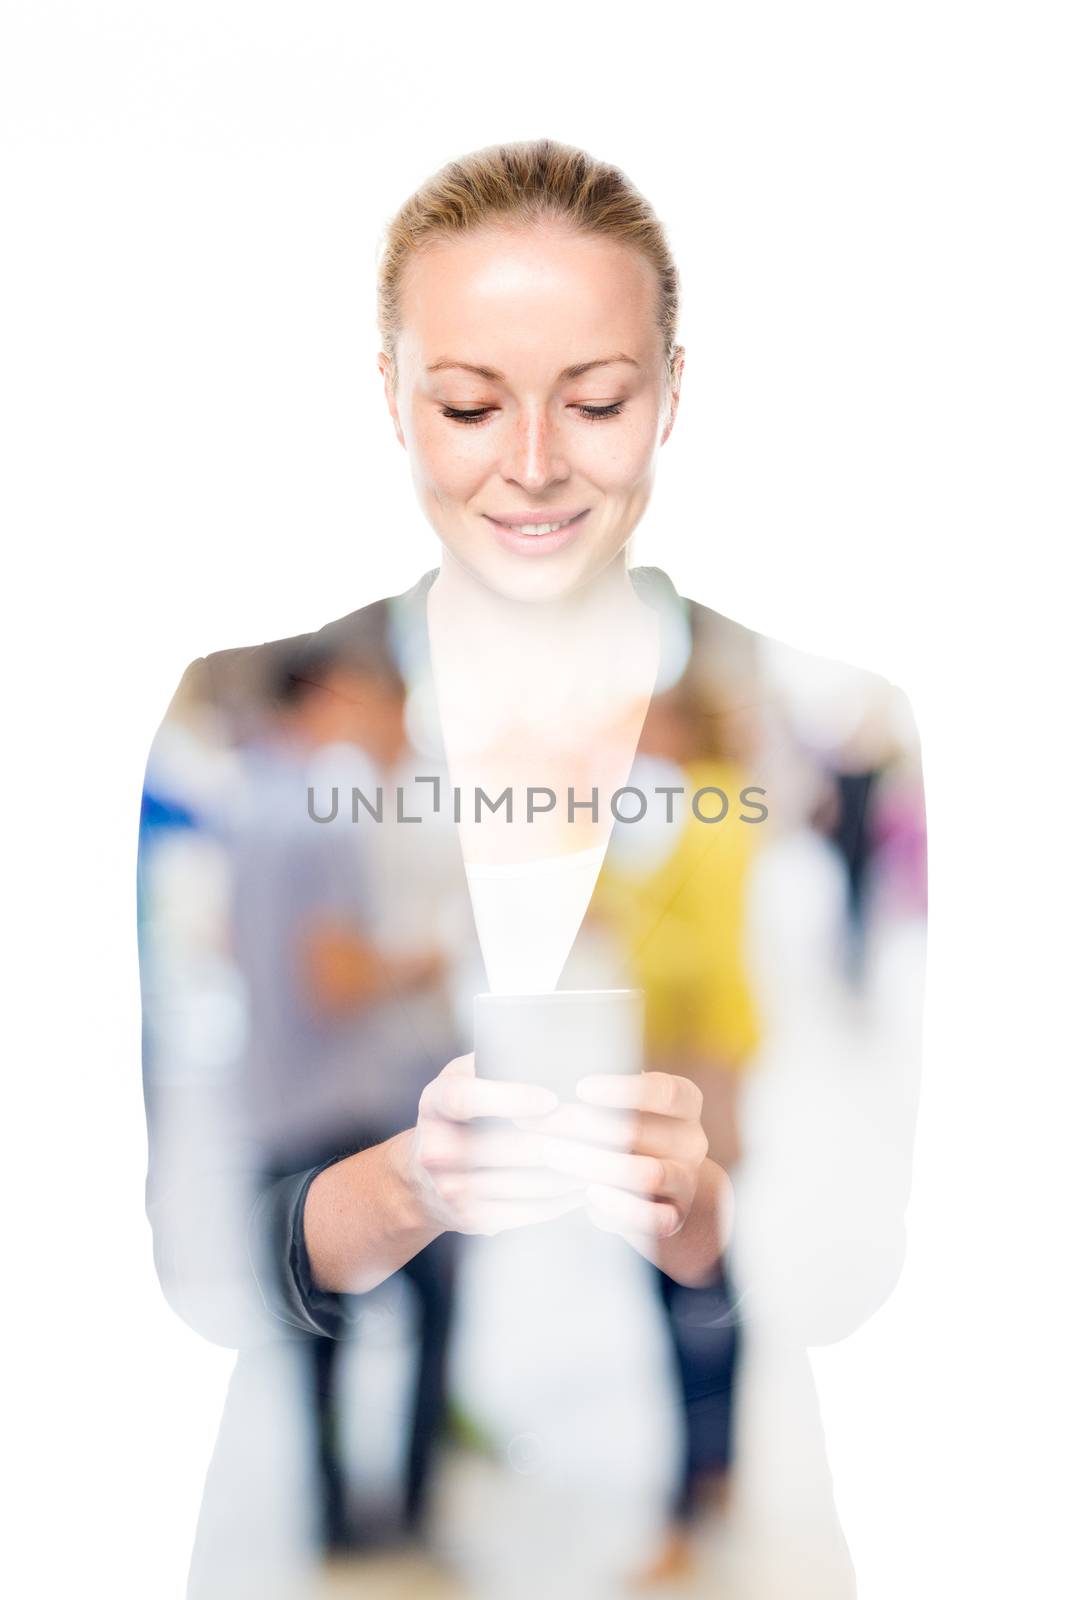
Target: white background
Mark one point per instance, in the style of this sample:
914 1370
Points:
866 202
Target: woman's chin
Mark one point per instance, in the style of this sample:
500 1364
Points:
516 576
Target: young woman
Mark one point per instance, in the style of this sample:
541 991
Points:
531 370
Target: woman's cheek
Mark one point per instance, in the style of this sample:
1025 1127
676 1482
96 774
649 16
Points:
620 460
454 466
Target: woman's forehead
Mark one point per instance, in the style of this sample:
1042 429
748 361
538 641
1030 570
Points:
531 290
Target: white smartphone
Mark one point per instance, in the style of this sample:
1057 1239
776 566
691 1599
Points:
556 1039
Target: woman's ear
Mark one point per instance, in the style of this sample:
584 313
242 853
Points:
677 366
387 368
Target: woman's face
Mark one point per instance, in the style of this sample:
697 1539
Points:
531 392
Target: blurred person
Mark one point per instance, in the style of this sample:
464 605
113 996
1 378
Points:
854 745
680 908
339 1048
531 369
898 839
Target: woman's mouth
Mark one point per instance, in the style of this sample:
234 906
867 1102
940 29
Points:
536 532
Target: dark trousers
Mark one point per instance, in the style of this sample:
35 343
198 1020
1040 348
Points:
431 1275
852 836
704 1332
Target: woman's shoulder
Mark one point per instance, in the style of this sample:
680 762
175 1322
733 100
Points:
241 675
781 667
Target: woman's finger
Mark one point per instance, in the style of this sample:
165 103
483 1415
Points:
499 1216
664 1093
508 1183
461 1097
617 1211
459 1067
650 1176
463 1146
589 1124
504 1147
638 1132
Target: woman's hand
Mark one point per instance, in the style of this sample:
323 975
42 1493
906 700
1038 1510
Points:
637 1143
486 1156
472 1174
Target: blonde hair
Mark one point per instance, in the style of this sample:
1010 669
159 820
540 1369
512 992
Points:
519 184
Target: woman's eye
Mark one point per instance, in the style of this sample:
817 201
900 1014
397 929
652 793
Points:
471 416
595 412
456 415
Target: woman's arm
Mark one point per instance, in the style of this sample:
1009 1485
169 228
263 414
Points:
821 1203
201 1177
226 1225
456 1169
363 1218
244 1252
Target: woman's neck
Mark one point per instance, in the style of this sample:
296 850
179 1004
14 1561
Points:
597 620
551 694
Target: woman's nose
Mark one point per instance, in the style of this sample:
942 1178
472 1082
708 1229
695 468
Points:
535 456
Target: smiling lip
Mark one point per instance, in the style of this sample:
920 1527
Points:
567 526
524 519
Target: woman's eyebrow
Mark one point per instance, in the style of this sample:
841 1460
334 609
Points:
577 371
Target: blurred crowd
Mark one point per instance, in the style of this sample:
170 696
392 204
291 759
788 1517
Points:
305 981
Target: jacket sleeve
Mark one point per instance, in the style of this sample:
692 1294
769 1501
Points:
227 1227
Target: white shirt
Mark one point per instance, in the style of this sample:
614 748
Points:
528 914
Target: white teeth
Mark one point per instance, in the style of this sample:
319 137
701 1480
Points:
538 528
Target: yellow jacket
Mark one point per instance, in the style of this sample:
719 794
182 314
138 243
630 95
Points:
682 927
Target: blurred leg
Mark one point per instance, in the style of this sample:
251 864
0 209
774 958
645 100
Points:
704 1335
432 1275
322 1358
